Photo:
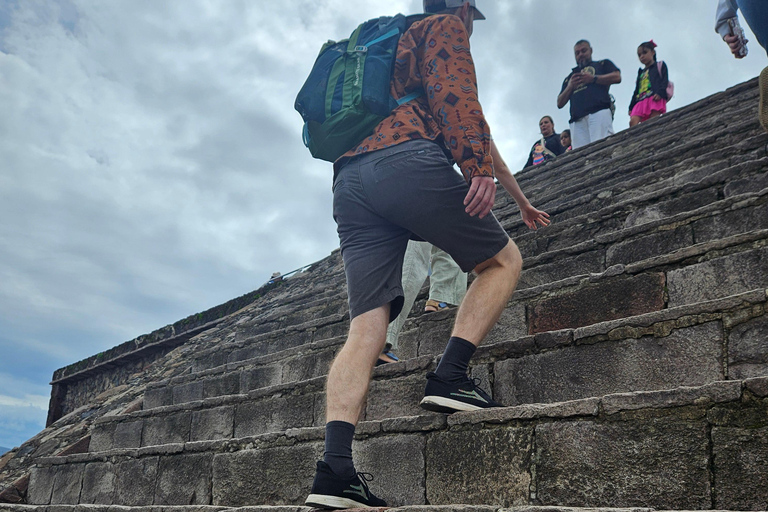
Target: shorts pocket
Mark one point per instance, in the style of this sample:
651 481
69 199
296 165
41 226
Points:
396 164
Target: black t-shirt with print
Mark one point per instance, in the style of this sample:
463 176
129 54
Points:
590 98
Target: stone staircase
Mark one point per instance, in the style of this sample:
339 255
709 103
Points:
633 358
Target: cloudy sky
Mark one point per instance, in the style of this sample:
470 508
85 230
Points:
151 163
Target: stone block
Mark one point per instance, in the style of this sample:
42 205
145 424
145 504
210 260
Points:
184 480
98 484
511 325
731 223
331 331
273 415
221 385
479 467
649 246
606 300
687 357
717 278
748 348
740 457
136 481
308 366
434 332
390 398
67 484
259 377
397 462
275 476
41 485
101 436
189 392
166 429
659 463
158 397
592 261
208 424
717 392
127 434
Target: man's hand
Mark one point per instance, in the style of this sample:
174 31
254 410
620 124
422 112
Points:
735 45
531 216
481 195
579 79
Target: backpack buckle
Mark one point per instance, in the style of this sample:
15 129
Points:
361 49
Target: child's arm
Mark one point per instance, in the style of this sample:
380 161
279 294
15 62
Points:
530 214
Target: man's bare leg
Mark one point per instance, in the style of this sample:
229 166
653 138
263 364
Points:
351 371
449 388
488 295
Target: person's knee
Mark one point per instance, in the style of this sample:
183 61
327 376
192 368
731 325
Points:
509 259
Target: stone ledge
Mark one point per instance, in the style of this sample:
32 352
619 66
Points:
716 392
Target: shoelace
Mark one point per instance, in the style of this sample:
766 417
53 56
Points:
364 479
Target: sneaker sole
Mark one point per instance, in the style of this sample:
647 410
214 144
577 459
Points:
446 405
762 113
332 502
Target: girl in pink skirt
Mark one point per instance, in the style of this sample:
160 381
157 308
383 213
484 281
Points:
651 95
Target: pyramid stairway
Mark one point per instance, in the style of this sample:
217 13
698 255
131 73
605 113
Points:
633 358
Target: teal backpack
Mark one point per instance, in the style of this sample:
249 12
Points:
347 92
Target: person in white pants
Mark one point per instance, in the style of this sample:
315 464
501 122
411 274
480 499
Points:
587 90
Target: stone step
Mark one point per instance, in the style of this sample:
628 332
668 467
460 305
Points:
734 215
685 448
270 508
686 345
614 208
704 271
664 142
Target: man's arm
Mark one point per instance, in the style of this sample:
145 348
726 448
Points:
565 94
608 79
726 9
530 214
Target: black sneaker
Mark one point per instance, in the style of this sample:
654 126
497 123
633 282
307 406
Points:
331 491
442 396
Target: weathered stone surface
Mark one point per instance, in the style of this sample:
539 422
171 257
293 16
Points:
226 384
731 223
717 392
67 484
98 484
273 415
661 463
397 462
740 459
511 325
218 423
41 485
479 467
259 477
101 437
758 386
184 480
748 348
585 407
592 261
605 300
393 398
127 434
259 377
720 277
434 331
314 364
158 397
687 357
136 480
650 245
188 392
166 429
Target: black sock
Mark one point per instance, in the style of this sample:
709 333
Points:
455 361
338 448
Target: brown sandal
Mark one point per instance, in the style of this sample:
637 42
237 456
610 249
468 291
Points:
432 305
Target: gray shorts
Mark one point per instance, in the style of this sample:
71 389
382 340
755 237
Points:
384 198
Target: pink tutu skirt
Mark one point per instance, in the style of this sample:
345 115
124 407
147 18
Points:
643 108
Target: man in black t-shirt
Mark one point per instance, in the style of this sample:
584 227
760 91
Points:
587 90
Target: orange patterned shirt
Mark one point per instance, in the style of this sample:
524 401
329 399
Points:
433 55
